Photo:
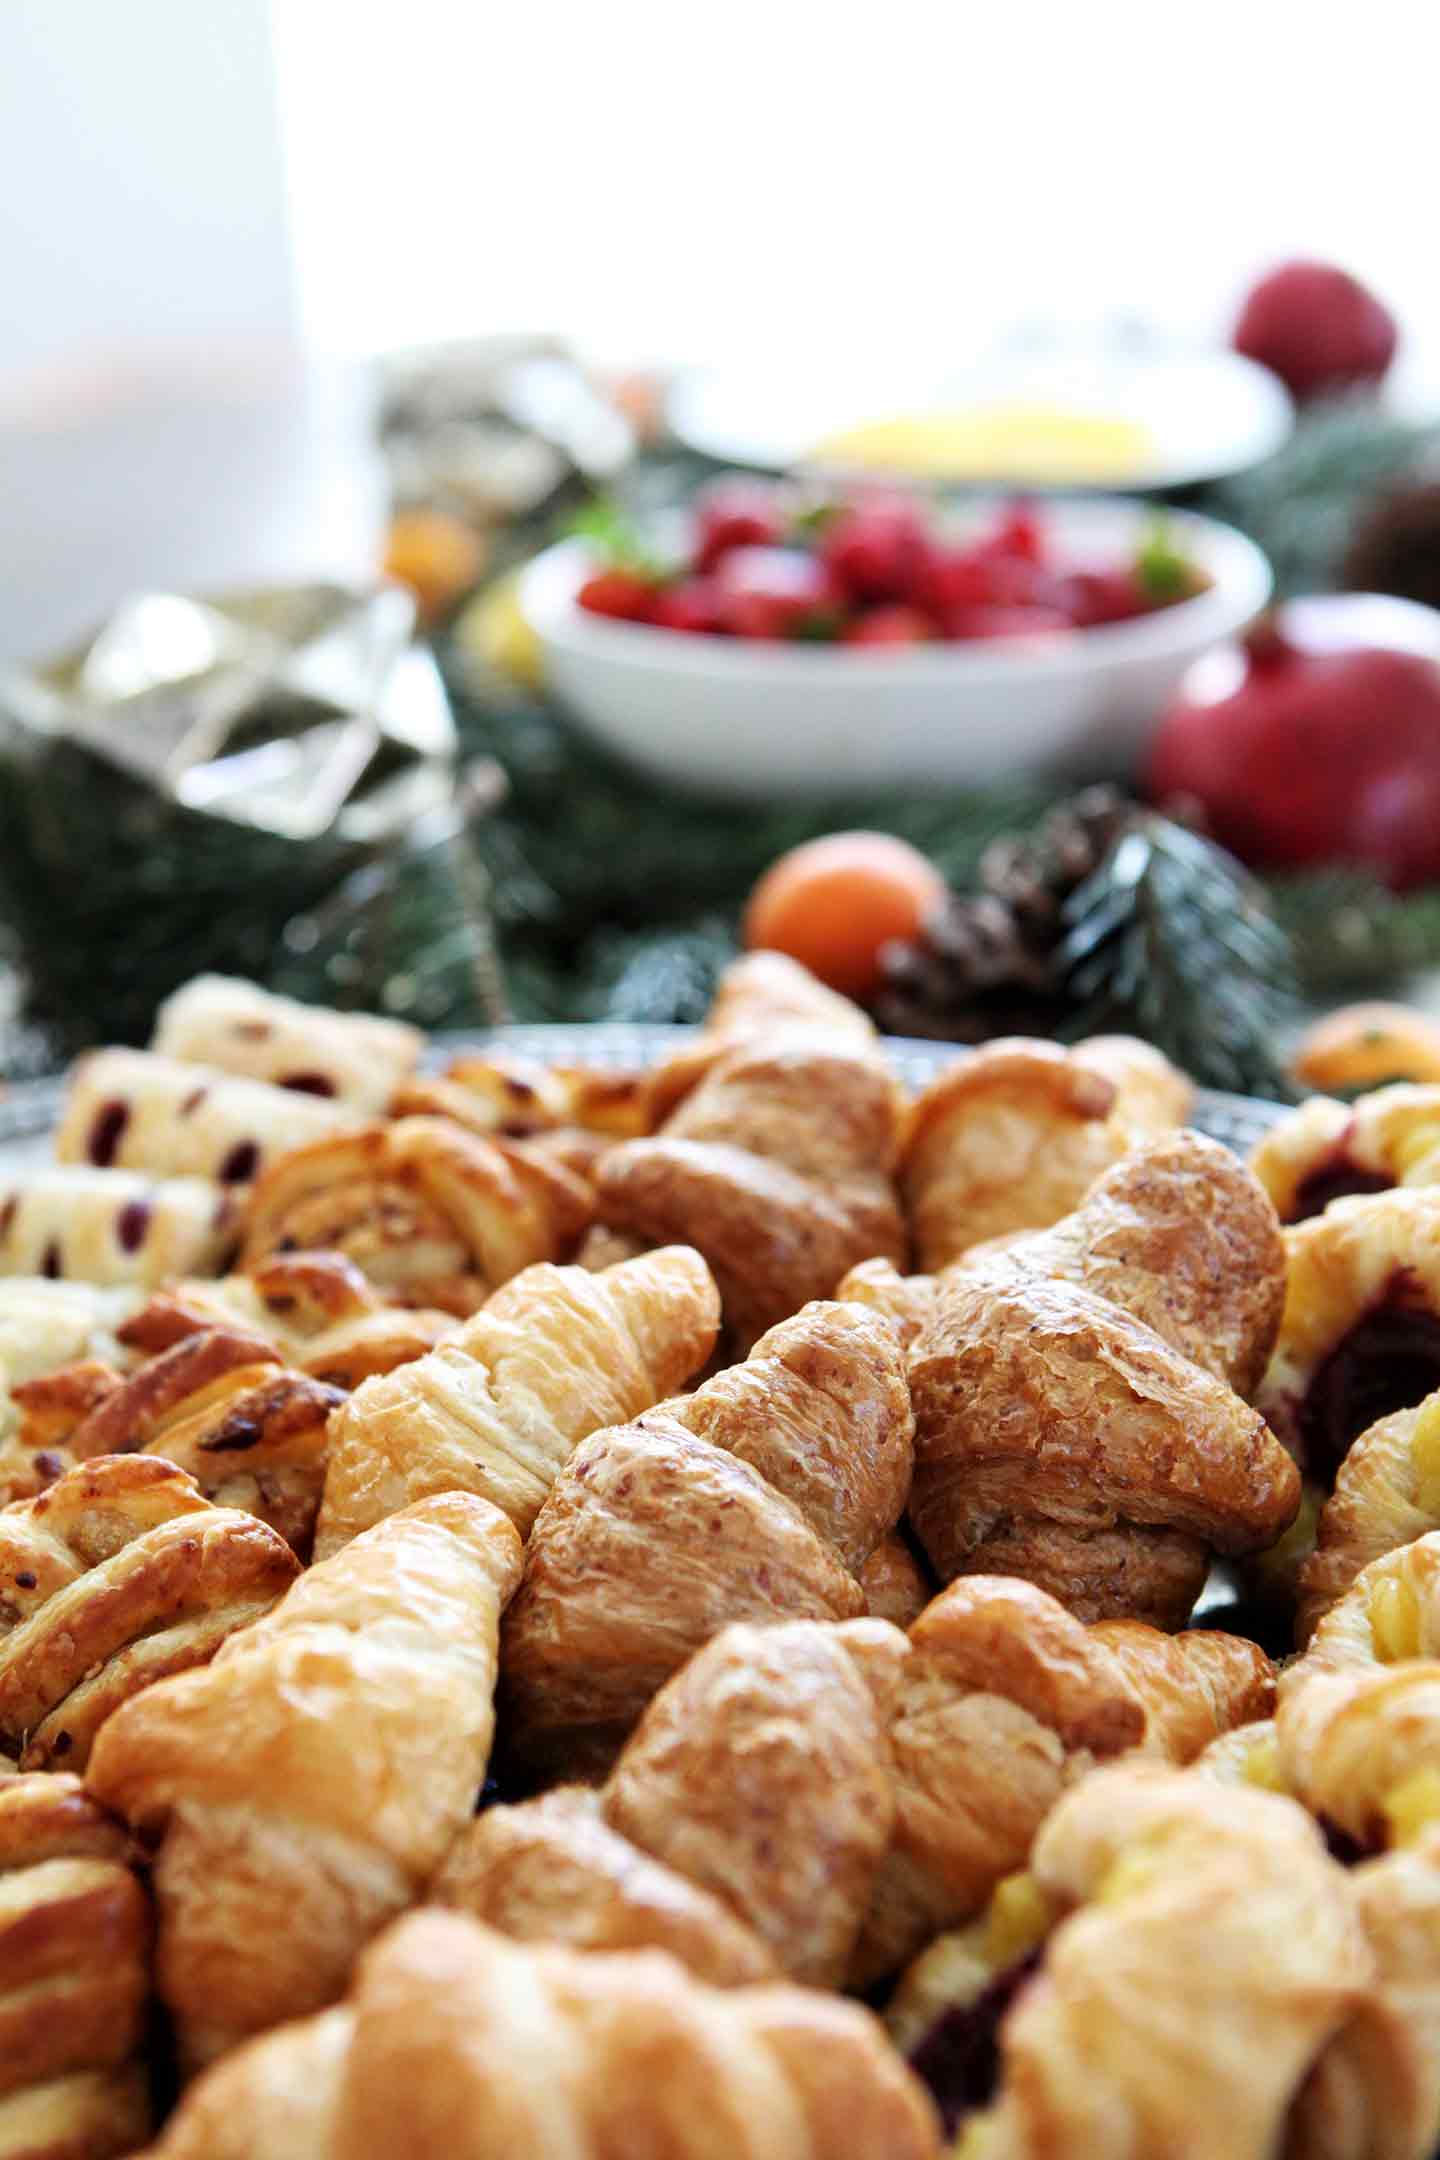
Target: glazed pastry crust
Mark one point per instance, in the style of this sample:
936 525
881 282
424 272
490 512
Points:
118 1575
219 1020
269 1779
456 2040
498 1407
113 1227
430 1213
135 1111
1012 1137
1058 1438
1216 1950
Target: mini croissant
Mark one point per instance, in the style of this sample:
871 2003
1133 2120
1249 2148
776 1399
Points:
1011 1137
765 999
74 1978
757 1498
1211 1952
1006 1699
456 2041
121 1573
302 1789
220 1405
113 1227
1059 1438
354 1058
499 1406
1329 1150
431 1214
134 1111
758 1778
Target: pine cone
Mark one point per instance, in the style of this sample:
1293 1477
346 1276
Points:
983 964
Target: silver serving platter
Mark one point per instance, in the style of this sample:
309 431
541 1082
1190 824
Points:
29 1111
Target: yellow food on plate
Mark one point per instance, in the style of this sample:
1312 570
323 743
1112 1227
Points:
1019 442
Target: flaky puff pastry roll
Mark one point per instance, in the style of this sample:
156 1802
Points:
74 1977
65 1221
117 1576
303 1789
1212 1951
354 1058
129 1110
756 1498
1327 1150
430 1213
516 1098
499 1406
1013 1136
455 2040
1060 1439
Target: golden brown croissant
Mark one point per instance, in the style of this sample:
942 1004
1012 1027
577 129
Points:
74 1978
1387 1493
1211 1952
432 1214
1058 1438
1182 1236
303 1788
134 1111
349 1057
221 1405
1329 1150
762 998
1012 1137
756 1498
758 1778
1007 1698
110 1227
499 1406
907 1301
457 2041
121 1573
315 1307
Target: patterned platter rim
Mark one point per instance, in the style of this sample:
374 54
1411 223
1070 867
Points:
30 1108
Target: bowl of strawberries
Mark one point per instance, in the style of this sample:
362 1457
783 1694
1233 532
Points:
777 641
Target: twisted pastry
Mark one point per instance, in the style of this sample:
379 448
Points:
1329 1150
498 1407
757 1498
1006 1699
1211 1952
130 1110
118 1575
777 1163
1387 1494
112 1226
1012 1137
220 1405
457 2041
303 1788
1058 1438
757 1782
430 1213
74 1978
353 1058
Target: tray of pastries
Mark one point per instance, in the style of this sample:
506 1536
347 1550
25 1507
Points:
751 1590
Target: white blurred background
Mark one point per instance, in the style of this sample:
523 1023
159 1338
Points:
211 211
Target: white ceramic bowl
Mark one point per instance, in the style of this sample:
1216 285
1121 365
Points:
759 719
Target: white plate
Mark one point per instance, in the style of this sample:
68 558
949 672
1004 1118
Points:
1206 412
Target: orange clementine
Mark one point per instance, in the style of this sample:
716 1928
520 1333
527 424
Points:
833 903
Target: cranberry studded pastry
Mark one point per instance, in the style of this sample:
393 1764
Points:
353 1058
777 1165
113 1227
1387 1494
759 1497
1005 1701
119 1575
1209 1950
457 2041
302 1789
131 1110
1329 1150
756 1790
74 1978
499 1406
431 1214
1012 1137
